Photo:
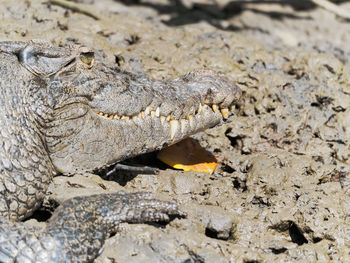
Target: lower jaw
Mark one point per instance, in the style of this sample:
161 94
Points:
102 142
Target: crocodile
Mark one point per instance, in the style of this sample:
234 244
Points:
64 111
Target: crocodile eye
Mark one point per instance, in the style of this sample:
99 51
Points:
87 58
44 62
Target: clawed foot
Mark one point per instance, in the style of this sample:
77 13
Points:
142 207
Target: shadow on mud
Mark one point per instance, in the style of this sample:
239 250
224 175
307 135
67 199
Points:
182 14
127 170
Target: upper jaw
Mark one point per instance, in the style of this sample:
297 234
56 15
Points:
185 105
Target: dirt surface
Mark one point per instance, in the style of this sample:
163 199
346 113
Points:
281 192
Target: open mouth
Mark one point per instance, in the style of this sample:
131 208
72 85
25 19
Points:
182 124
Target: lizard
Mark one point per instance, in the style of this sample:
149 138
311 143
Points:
64 111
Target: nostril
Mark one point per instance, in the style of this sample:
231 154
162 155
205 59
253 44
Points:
210 92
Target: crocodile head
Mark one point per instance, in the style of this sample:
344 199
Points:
90 115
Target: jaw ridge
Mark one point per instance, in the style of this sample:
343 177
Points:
177 127
225 112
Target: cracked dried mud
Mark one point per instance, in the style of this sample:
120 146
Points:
281 192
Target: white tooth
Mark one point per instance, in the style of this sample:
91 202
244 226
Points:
147 110
225 113
105 115
215 107
142 114
192 122
135 117
167 118
183 125
125 118
200 108
174 124
153 114
116 117
157 112
100 113
162 119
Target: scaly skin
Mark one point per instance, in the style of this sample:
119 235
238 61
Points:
63 112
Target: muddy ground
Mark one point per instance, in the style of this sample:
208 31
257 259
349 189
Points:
281 191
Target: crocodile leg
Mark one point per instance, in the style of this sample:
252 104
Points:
78 228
